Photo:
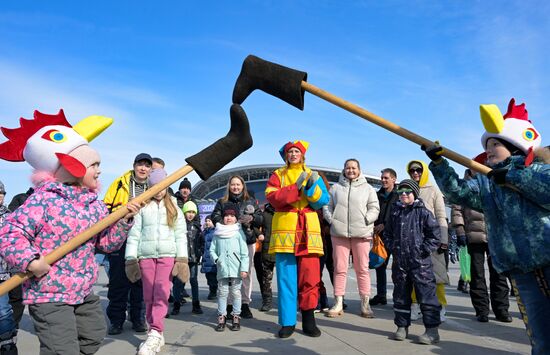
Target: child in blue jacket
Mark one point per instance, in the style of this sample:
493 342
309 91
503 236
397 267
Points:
230 253
515 198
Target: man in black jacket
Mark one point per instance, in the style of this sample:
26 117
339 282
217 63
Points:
386 197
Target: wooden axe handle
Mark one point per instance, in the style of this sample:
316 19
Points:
392 127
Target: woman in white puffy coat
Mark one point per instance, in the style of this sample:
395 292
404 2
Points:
352 211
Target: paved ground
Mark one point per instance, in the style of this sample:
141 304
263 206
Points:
349 334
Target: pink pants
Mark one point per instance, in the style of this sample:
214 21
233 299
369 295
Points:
156 276
360 247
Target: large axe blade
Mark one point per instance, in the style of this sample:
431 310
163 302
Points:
289 85
206 162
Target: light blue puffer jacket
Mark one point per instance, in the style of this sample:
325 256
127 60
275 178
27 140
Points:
229 251
151 237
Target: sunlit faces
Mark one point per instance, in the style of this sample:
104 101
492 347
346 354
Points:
91 178
2 196
229 219
185 192
406 196
388 181
236 186
190 215
142 169
294 155
208 223
415 173
160 195
351 170
496 151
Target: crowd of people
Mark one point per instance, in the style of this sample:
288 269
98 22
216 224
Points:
306 226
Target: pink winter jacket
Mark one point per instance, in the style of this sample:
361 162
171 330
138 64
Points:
52 215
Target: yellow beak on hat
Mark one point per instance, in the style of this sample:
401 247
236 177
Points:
92 126
492 118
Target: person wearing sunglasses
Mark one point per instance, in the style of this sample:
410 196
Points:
433 201
411 235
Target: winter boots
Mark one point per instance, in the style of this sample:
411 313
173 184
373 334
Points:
197 308
221 324
153 343
176 308
338 308
308 324
431 336
378 300
266 304
366 311
236 326
401 334
286 331
245 311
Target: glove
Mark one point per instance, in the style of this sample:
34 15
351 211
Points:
498 175
249 209
442 248
132 270
461 240
181 270
301 179
312 179
433 151
246 219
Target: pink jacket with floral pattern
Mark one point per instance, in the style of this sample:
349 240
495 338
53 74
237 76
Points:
51 216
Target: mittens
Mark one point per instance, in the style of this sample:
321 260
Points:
498 175
312 179
301 179
181 270
433 152
132 270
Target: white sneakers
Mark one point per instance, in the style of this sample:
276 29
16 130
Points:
153 343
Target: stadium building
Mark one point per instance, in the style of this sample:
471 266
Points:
255 176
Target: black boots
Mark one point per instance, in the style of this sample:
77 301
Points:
196 308
274 79
176 308
286 331
308 324
378 300
245 311
266 304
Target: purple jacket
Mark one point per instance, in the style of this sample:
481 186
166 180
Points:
51 216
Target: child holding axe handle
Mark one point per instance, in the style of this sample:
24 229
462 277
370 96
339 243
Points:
50 144
518 220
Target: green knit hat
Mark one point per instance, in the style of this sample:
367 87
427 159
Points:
190 206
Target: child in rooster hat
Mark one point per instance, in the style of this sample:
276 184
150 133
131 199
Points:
515 197
67 316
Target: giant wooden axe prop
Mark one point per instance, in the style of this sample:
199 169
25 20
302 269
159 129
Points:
289 85
206 162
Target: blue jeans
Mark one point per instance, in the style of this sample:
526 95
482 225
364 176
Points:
534 304
229 286
178 285
7 324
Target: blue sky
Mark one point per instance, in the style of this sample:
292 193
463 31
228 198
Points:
165 72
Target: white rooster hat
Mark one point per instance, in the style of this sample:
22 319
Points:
514 127
50 144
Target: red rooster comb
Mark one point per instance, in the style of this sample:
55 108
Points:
12 150
516 111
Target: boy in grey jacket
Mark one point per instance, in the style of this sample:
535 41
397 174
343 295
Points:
230 253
